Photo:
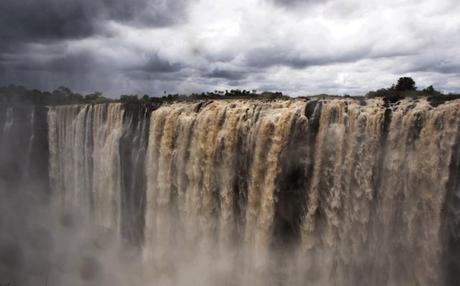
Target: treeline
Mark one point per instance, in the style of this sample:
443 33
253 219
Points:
62 95
217 94
405 87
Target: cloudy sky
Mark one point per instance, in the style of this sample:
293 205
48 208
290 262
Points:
299 47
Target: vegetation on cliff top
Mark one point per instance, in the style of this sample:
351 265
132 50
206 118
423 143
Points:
405 87
62 95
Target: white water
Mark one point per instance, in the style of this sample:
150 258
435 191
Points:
85 162
262 193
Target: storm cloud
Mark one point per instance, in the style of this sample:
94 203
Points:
28 21
296 46
226 74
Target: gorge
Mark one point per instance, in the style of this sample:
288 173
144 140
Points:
311 191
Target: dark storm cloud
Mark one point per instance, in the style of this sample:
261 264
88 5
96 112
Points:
42 20
154 68
263 58
139 75
65 63
226 74
438 67
47 20
159 65
71 62
121 46
35 39
283 56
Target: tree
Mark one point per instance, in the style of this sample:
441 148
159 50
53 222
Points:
64 90
405 84
96 97
429 89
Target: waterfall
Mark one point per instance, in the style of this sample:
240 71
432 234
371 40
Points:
85 160
335 191
374 213
30 144
9 120
23 148
133 146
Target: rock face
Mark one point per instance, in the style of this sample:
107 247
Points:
251 192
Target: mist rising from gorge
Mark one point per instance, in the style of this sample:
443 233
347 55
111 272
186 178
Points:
235 192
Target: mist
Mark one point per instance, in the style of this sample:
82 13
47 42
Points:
197 142
332 191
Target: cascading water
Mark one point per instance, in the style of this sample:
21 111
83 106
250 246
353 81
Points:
247 192
24 188
23 148
85 160
375 202
133 146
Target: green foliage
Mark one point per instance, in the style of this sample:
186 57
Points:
96 97
63 95
405 84
383 92
431 91
18 94
405 87
227 94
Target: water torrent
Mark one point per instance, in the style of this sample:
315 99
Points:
335 191
23 148
85 160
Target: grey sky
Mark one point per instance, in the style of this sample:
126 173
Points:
296 46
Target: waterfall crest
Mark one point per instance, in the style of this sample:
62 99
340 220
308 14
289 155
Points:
324 192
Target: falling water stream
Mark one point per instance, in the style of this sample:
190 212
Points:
254 192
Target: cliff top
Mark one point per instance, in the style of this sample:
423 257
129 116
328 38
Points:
63 96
